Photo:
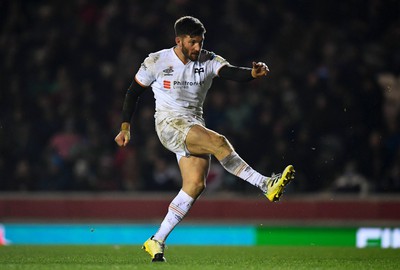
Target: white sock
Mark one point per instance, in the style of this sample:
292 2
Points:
177 210
234 164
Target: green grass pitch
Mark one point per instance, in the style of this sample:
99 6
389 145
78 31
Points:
197 257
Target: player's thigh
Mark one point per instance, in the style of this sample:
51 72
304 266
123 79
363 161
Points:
194 170
201 140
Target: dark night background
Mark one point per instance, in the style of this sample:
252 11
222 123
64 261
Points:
330 105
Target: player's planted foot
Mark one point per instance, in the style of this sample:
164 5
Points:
155 249
277 183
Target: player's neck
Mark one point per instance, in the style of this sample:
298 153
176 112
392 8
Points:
180 55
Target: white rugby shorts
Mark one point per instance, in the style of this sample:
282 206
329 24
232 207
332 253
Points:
172 129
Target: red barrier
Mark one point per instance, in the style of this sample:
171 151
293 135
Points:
116 207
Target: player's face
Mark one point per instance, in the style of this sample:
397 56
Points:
191 47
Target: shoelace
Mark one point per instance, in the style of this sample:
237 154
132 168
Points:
274 179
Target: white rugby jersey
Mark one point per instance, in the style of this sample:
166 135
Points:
178 87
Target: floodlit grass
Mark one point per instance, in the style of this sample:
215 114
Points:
197 257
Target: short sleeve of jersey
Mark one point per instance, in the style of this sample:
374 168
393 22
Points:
217 62
146 74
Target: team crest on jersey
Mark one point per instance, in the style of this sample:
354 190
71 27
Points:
198 70
168 71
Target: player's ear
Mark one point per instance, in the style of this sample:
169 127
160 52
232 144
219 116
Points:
178 41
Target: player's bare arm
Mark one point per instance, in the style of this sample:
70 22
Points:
130 102
243 74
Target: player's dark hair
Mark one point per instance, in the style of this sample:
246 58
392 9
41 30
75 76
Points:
189 25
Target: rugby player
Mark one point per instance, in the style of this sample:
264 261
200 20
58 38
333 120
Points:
180 78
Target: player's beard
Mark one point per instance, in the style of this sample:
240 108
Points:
192 57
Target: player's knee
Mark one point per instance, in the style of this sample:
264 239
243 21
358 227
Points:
220 141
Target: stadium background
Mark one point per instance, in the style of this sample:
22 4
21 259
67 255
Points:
330 106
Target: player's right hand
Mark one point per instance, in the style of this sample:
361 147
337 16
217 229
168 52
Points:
259 69
124 136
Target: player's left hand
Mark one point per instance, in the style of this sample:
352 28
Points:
259 69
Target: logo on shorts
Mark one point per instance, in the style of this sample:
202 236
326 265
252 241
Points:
168 71
167 84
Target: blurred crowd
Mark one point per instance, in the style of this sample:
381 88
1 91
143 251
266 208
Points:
330 106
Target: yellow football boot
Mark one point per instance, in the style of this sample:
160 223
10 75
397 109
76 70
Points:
155 249
277 183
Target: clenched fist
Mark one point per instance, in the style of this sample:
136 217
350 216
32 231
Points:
124 136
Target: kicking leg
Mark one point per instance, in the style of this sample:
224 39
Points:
201 140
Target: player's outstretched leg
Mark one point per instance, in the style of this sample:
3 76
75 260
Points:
155 249
275 185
